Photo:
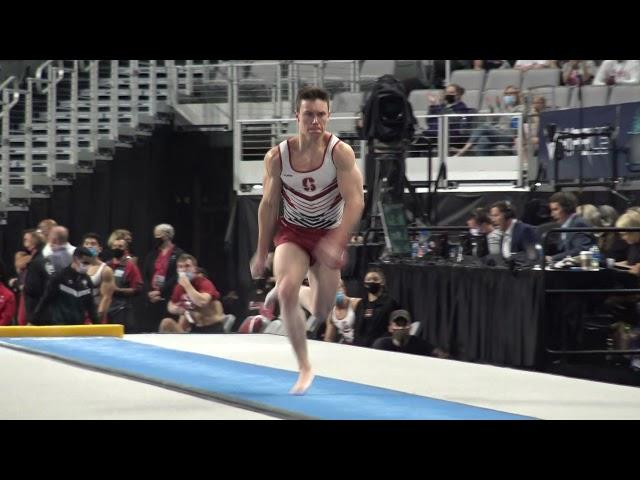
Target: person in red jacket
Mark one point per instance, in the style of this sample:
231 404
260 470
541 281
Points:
7 300
7 305
196 300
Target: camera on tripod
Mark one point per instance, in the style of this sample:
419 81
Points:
387 114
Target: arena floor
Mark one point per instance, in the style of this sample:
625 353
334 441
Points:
247 377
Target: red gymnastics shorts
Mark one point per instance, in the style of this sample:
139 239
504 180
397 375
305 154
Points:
305 238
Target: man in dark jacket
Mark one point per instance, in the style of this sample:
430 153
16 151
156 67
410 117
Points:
518 238
68 300
563 210
159 275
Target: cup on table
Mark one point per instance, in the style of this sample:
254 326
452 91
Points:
585 259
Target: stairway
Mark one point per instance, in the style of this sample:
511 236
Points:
72 114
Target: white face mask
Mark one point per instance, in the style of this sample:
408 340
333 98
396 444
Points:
189 275
83 268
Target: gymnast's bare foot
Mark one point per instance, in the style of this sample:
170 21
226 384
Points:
304 382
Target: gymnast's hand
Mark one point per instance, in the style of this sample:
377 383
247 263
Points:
330 251
257 265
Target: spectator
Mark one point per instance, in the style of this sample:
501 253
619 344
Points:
618 72
480 223
532 126
32 242
525 65
159 275
578 72
402 341
7 300
372 312
563 210
490 64
196 300
610 244
37 276
341 320
518 237
44 226
497 136
631 219
58 251
67 299
450 103
127 283
122 234
101 276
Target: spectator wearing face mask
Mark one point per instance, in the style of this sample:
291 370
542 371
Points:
101 275
401 339
451 103
498 136
159 275
127 281
195 300
341 320
67 300
372 312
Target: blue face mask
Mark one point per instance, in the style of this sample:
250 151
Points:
339 298
509 100
93 250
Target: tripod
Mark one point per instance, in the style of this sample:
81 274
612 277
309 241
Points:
389 181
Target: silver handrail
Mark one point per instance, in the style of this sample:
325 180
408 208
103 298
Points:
113 100
133 91
47 66
93 89
28 135
55 76
153 88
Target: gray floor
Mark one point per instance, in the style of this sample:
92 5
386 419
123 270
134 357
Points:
38 388
41 388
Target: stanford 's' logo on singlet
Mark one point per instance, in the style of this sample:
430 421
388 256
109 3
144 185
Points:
309 184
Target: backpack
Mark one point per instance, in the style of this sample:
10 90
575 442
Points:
387 113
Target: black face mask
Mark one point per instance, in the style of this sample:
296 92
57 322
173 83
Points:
157 242
450 98
372 287
118 253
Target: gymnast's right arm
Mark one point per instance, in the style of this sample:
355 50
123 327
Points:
268 210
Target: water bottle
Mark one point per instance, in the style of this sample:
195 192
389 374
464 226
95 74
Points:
424 238
595 258
539 257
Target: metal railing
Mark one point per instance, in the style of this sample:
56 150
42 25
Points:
66 107
443 143
10 97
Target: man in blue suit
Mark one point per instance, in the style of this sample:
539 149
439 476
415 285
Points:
518 238
563 210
